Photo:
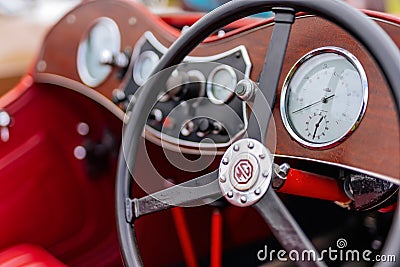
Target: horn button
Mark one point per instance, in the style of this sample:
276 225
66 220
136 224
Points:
245 172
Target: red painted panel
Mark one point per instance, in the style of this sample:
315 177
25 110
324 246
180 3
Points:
301 183
46 194
26 255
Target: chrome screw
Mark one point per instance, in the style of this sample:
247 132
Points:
251 145
222 179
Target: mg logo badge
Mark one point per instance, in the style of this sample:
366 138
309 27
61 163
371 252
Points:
243 171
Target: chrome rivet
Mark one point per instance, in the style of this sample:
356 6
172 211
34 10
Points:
222 179
82 128
132 21
80 152
41 66
257 191
265 173
236 148
225 161
251 145
243 199
71 19
230 194
5 119
221 33
262 156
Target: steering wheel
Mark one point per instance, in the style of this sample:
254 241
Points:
258 192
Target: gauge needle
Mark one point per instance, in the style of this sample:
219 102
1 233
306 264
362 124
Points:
316 127
323 100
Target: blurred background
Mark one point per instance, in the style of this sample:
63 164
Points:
24 23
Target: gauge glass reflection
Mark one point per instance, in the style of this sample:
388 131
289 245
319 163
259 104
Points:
103 36
144 66
221 84
324 97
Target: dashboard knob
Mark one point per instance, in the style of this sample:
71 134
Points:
176 83
118 96
156 115
205 126
183 85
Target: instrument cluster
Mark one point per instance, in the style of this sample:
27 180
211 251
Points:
323 100
198 105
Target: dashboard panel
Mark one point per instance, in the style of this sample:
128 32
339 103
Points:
376 134
198 104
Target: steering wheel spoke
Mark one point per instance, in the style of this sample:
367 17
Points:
269 78
285 228
198 191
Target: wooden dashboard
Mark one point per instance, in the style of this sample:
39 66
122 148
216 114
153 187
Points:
374 147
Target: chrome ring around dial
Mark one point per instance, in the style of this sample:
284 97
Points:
324 97
103 37
144 66
221 84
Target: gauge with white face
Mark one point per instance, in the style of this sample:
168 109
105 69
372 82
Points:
144 66
103 37
221 84
324 97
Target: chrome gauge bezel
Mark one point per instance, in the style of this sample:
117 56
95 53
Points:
211 83
283 100
82 66
150 55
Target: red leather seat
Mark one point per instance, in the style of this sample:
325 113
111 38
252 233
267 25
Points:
27 255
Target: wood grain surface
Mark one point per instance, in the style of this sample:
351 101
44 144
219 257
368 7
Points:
374 146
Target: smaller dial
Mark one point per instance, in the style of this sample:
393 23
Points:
221 84
324 97
316 126
103 37
144 66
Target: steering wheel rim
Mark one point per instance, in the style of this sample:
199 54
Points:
384 51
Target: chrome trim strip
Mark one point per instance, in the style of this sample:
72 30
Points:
149 36
351 168
78 87
385 21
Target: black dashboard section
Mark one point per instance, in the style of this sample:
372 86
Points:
198 106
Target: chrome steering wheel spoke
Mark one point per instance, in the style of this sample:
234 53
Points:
195 192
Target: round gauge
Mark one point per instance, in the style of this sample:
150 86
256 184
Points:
324 97
144 66
103 37
221 84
